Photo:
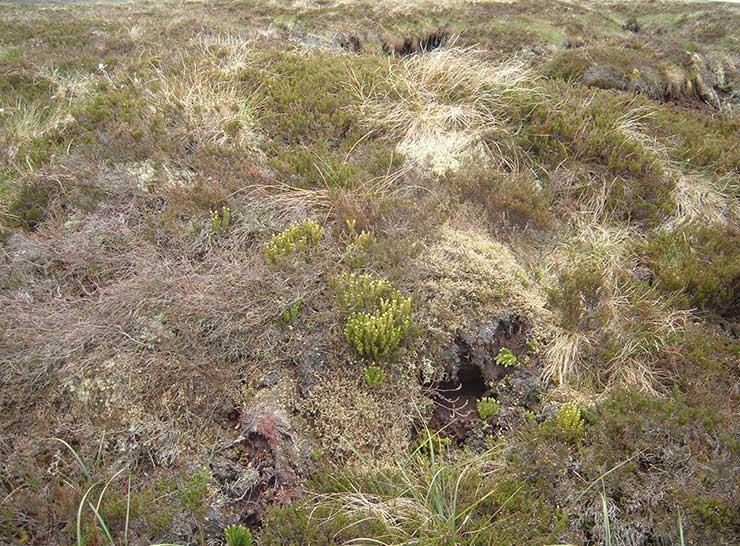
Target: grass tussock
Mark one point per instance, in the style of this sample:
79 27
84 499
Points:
203 107
609 327
439 106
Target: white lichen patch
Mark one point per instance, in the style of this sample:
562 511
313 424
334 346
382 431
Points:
102 388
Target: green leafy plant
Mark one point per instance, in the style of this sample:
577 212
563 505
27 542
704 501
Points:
487 407
290 313
379 315
506 358
377 334
356 255
569 419
296 237
238 535
374 376
363 292
220 220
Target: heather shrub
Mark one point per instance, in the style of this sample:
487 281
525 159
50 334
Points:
700 262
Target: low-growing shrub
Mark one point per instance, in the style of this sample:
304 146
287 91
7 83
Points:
487 408
516 199
702 262
28 206
576 294
297 237
604 130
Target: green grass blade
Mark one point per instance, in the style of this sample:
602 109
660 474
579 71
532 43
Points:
128 511
607 527
80 508
77 458
101 521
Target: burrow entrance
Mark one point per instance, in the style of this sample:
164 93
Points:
475 373
404 46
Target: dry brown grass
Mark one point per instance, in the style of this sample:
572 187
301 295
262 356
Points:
135 328
438 106
637 322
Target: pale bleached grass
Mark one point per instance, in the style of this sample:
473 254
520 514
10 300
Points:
69 85
438 105
207 107
642 326
230 52
608 246
638 322
702 199
564 355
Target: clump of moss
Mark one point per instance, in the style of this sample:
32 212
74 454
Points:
357 293
469 276
296 237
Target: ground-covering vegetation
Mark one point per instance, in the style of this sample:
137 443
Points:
348 272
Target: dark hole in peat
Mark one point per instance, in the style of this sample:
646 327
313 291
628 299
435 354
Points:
455 411
402 47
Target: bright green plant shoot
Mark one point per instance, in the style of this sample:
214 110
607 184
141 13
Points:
487 407
291 312
238 535
220 220
377 334
570 420
296 237
506 358
374 376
